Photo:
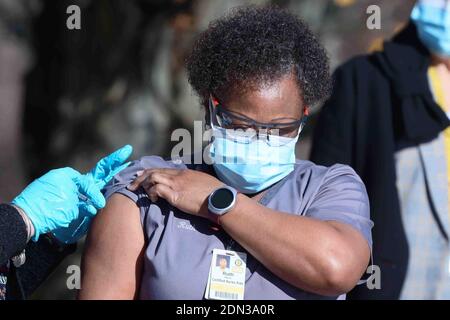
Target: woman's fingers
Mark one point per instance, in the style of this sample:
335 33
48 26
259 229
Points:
162 191
142 176
157 183
153 176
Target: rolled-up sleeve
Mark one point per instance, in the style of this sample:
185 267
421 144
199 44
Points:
121 180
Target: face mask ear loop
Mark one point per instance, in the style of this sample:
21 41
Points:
210 113
304 120
305 116
211 109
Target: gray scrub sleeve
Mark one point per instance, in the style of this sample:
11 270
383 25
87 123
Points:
342 197
121 180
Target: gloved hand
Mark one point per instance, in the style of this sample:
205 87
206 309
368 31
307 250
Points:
101 174
64 201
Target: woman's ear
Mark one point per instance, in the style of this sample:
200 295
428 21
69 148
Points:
306 111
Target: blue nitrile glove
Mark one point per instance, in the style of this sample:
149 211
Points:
101 174
64 201
51 201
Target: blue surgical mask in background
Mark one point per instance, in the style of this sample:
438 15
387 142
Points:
432 19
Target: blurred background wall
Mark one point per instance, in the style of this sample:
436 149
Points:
68 97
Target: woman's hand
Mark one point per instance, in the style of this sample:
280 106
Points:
184 189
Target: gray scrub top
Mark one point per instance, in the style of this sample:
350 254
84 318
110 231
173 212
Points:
179 246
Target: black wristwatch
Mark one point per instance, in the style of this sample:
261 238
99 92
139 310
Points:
222 200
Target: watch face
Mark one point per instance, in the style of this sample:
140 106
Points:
222 198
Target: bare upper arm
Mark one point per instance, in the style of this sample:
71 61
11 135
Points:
357 256
112 260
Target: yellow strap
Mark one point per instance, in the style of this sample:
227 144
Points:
436 85
439 96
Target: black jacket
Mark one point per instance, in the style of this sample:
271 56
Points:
381 103
42 257
13 233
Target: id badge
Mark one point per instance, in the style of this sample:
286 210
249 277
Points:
226 280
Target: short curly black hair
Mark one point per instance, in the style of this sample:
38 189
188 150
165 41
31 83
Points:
251 46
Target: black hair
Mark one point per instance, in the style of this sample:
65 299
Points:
251 46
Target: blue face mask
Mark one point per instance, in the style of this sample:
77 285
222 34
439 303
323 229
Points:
251 166
432 19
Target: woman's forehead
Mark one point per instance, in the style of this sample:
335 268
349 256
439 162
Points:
280 99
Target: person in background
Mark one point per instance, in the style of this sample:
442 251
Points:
61 202
388 118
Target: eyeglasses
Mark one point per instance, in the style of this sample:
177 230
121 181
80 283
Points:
245 130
